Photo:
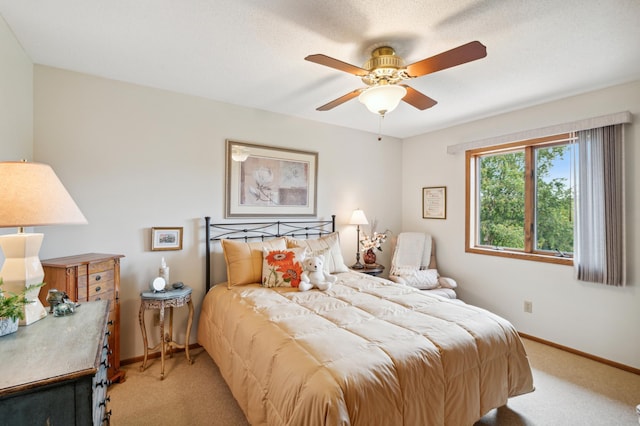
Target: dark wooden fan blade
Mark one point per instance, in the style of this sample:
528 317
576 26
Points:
335 63
342 99
457 56
417 99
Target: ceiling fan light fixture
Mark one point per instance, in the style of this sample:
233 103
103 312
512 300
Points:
382 99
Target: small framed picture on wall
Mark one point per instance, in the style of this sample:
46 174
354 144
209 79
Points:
166 238
434 202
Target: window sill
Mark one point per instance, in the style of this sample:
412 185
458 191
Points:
536 257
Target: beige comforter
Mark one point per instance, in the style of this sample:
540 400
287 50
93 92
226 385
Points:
366 352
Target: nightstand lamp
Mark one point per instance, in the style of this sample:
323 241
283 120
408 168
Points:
358 218
30 195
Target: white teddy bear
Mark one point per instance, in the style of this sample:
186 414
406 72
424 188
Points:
314 275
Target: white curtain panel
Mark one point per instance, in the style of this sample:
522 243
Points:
599 238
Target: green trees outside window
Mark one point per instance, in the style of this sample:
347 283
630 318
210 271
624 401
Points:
502 200
523 197
554 199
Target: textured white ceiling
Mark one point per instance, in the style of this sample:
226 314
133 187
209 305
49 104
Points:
251 52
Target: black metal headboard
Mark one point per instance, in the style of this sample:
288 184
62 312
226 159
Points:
261 231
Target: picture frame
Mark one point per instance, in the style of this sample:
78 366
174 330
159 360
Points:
434 202
268 181
166 238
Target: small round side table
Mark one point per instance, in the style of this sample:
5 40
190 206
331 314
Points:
162 300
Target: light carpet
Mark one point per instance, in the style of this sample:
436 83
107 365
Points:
570 390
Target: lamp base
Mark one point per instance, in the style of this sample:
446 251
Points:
33 312
21 269
357 265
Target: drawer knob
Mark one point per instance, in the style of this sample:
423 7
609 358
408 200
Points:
98 277
98 289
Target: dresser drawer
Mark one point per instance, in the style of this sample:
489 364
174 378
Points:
96 267
100 277
101 290
98 281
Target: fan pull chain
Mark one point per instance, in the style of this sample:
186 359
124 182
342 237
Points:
380 127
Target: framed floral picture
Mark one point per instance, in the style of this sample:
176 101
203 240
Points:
266 181
163 238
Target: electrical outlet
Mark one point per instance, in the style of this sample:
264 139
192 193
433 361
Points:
528 306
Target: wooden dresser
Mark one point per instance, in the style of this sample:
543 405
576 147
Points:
54 371
85 278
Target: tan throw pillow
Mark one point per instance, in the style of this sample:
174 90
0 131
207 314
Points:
329 245
282 268
244 260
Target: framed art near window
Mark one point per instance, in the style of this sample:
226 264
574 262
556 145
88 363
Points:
434 202
166 238
266 181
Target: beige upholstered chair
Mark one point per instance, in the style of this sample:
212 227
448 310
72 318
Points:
414 263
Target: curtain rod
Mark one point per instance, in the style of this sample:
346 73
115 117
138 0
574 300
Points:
589 123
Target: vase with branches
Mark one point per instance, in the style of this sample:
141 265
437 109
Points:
373 242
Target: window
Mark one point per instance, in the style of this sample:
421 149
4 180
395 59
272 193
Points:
520 199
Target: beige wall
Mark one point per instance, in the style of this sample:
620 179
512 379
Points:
16 103
134 157
596 319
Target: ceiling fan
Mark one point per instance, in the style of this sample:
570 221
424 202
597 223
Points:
385 72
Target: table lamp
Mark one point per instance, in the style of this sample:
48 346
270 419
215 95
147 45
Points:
358 218
30 195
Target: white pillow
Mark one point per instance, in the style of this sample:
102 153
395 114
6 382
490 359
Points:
329 245
426 279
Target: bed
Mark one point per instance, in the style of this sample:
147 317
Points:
366 352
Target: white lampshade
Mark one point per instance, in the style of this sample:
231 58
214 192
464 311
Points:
30 195
358 218
382 99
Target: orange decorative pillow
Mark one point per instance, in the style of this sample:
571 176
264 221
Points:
244 260
282 268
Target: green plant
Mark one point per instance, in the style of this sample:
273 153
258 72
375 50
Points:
11 305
